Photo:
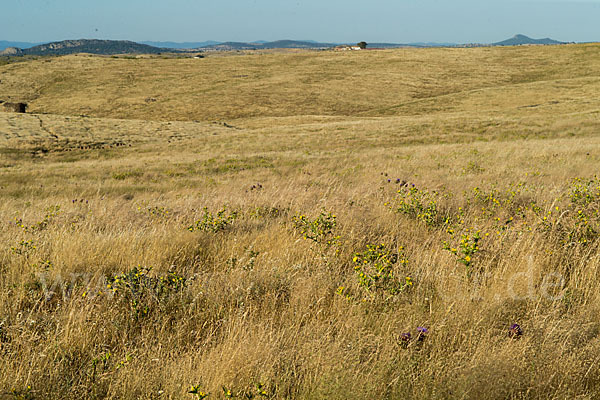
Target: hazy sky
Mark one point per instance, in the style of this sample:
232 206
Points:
324 20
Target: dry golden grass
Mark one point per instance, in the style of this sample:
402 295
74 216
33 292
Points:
270 136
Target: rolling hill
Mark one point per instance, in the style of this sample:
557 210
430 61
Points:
240 89
522 39
93 46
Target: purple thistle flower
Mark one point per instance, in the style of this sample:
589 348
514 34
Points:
405 339
422 333
515 331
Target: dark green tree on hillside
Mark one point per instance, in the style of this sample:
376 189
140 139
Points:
362 45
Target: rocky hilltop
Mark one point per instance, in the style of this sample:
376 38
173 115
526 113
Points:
93 46
11 51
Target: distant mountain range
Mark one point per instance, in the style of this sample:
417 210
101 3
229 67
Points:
518 40
180 45
21 45
309 44
282 44
195 45
108 47
415 44
260 45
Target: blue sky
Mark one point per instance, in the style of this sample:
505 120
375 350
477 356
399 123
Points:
400 21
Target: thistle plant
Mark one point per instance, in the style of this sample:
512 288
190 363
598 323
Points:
406 339
515 331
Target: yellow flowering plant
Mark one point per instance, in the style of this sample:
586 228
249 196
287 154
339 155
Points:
375 270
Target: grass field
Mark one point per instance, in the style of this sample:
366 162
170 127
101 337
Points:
273 225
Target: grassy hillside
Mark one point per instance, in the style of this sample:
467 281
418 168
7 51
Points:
273 225
372 83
